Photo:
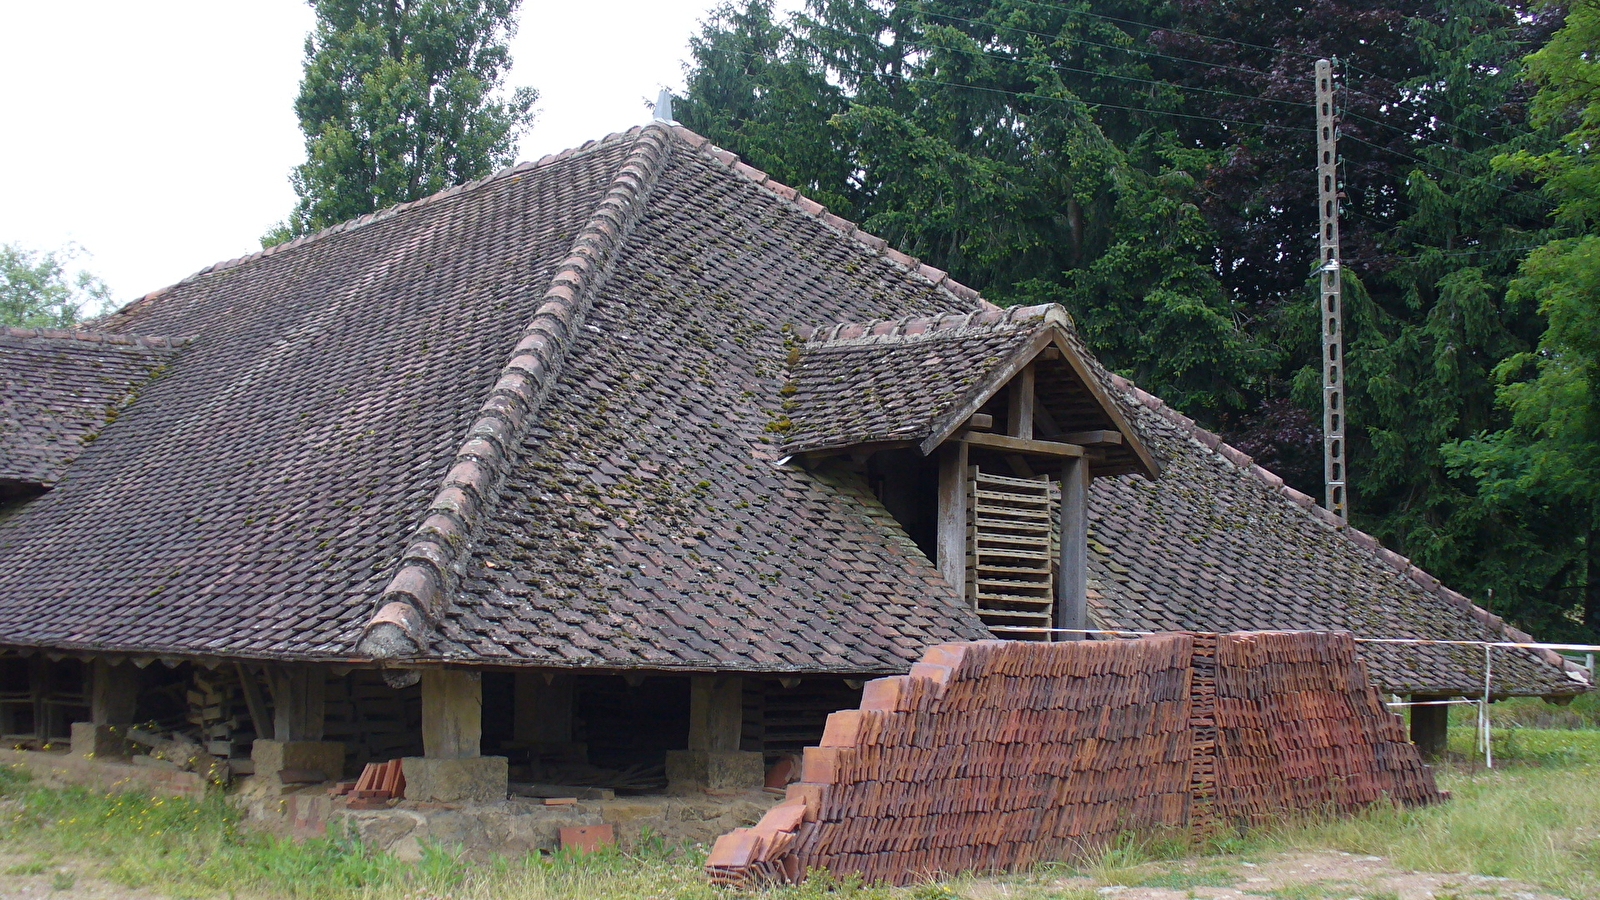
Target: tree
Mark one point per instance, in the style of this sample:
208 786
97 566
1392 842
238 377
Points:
969 135
36 291
1541 474
400 99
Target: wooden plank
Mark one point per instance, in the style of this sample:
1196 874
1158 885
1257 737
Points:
1021 445
452 713
1092 438
1019 397
980 422
952 534
1072 586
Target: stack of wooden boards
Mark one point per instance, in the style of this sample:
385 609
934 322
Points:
994 755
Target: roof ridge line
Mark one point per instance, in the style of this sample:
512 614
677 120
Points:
845 334
939 278
1401 564
379 215
419 592
150 341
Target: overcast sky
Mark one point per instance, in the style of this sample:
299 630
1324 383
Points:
159 135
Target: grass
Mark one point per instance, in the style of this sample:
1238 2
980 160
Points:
1535 818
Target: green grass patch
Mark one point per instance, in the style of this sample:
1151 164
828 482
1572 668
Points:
1532 823
1536 819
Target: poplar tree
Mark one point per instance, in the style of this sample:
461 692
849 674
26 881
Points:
401 99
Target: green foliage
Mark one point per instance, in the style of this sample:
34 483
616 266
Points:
967 135
400 100
37 291
1147 165
1539 474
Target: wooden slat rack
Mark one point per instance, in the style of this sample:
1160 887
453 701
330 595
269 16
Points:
1011 549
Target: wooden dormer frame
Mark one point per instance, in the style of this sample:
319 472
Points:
1054 335
954 437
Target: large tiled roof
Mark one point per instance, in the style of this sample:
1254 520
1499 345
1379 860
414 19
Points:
59 388
647 521
255 500
1220 544
540 419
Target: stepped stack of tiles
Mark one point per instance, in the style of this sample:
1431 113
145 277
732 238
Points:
993 755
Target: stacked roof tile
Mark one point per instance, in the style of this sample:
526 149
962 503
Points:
540 419
992 756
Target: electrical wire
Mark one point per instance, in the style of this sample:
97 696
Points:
907 79
1065 68
1448 171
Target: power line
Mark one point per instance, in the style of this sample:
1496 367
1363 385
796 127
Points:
1065 68
1078 40
1448 171
1136 24
907 79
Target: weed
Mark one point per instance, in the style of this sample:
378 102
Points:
32 867
62 881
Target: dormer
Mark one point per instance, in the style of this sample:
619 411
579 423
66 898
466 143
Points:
980 433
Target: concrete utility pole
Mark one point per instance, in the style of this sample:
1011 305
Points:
1333 406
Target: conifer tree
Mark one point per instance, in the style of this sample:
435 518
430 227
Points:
401 99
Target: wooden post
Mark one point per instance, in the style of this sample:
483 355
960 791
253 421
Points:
542 710
1072 579
452 714
1430 727
113 693
716 712
1019 420
953 516
298 701
260 723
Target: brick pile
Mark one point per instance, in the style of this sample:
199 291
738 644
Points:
994 755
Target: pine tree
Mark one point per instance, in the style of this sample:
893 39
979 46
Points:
400 99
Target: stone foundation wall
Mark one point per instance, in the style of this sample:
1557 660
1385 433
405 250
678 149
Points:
63 769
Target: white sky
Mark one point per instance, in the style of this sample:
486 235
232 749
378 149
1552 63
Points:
159 135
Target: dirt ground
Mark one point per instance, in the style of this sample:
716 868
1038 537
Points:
1294 876
1290 876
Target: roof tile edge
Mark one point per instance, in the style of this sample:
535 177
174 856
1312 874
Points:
1421 579
419 592
148 341
938 278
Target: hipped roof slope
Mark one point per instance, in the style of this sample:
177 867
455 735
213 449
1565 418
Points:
539 419
59 388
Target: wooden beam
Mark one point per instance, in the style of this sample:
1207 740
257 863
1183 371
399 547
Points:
716 712
452 714
952 548
113 693
980 422
260 722
1092 438
1072 577
542 708
1020 445
298 702
1019 418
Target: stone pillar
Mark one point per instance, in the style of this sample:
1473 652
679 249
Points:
1430 727
113 699
453 768
713 761
298 706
